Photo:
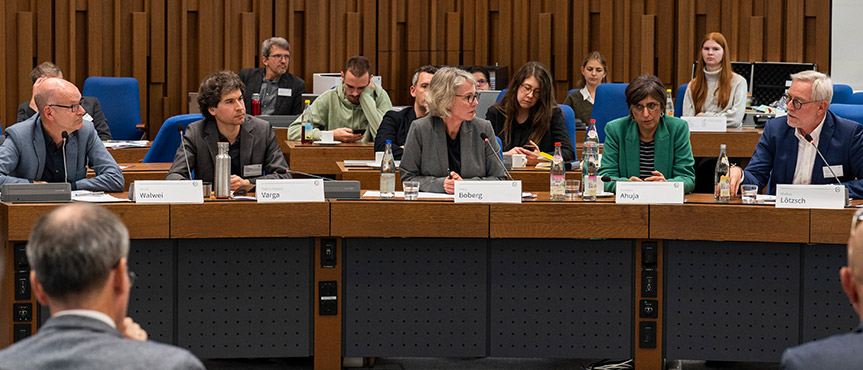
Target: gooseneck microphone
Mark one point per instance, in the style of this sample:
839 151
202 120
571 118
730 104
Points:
607 178
185 155
485 138
65 171
812 141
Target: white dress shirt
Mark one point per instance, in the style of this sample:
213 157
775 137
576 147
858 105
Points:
806 154
88 313
586 95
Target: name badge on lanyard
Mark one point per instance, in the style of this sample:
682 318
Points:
253 170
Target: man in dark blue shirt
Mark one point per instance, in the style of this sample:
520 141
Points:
396 124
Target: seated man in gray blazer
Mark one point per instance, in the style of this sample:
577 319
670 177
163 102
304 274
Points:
447 145
253 148
36 151
78 259
839 351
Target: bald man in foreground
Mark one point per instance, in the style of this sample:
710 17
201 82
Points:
36 150
844 351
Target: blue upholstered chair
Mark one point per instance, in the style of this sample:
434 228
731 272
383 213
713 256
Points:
500 96
678 102
842 94
857 98
609 104
121 104
569 120
853 112
499 146
167 141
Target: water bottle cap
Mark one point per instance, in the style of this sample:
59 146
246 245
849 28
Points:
308 101
389 142
557 143
592 120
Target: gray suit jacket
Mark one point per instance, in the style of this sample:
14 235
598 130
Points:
22 157
90 104
77 342
425 155
257 146
839 352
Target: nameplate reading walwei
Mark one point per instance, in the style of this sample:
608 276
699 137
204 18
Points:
169 191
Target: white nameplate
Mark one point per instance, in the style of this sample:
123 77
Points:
810 196
169 191
285 190
706 124
467 191
649 192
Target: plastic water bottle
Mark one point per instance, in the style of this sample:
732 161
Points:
722 178
306 137
558 175
256 104
222 180
669 103
388 173
589 165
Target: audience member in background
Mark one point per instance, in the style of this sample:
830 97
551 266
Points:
396 124
783 155
78 258
281 92
527 119
92 108
446 146
594 71
358 104
253 148
716 91
839 351
648 145
34 150
480 74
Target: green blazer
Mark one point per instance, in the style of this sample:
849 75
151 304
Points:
672 156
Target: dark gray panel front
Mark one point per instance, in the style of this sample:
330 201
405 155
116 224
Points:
245 297
151 301
561 298
415 297
731 301
826 309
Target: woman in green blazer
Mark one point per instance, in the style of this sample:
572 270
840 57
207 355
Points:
648 145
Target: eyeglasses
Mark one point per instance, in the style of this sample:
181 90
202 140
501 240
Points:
73 107
469 98
279 56
482 82
527 90
651 107
797 103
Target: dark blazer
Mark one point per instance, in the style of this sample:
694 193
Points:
621 153
91 106
775 158
285 105
257 146
839 352
22 157
80 342
425 158
556 132
395 126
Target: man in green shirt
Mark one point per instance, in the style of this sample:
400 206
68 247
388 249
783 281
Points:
358 104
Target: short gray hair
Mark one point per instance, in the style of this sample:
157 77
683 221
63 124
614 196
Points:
822 86
443 88
73 249
424 69
277 41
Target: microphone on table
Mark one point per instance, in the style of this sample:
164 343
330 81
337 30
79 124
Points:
65 171
185 154
812 141
606 178
485 138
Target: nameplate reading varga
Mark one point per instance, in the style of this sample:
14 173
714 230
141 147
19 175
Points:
649 192
706 124
286 191
810 196
169 191
467 191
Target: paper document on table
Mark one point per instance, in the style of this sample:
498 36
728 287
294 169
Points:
95 197
401 194
119 144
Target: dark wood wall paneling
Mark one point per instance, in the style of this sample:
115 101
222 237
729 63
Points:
169 46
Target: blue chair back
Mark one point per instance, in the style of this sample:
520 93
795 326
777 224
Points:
569 120
609 104
853 112
856 98
678 101
121 104
842 94
167 141
500 96
499 146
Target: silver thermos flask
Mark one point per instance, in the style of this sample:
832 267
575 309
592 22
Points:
222 180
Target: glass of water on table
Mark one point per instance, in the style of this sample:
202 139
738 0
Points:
748 193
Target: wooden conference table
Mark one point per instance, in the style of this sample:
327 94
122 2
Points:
139 171
437 279
129 155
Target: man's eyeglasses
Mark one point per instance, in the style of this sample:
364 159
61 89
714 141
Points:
73 107
279 56
527 90
482 82
469 98
797 103
651 107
